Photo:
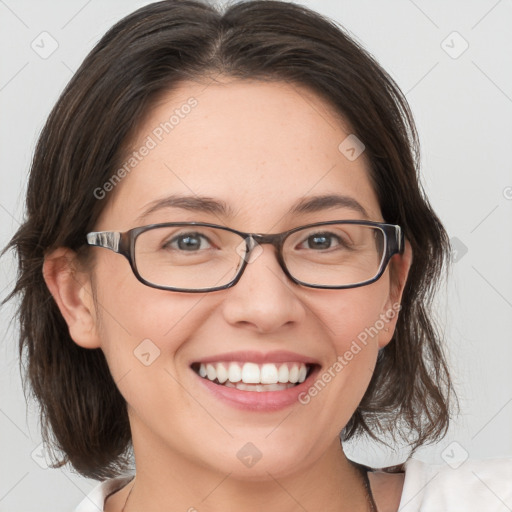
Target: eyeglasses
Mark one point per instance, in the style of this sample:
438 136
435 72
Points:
202 257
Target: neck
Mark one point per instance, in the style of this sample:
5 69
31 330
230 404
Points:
331 484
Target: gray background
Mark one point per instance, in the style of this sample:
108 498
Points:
462 102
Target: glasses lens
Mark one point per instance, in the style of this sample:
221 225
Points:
335 254
188 257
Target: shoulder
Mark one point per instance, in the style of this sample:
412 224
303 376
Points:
95 500
474 485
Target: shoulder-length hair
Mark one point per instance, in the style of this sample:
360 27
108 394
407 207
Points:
149 52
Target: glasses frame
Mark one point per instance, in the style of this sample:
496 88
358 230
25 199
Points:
124 243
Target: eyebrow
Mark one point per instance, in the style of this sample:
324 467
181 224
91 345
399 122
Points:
191 203
325 202
202 204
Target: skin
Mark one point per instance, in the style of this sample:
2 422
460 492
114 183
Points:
259 147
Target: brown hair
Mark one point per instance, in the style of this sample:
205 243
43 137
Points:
83 415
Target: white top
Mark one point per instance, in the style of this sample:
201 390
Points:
480 485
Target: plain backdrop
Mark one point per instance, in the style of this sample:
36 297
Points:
451 59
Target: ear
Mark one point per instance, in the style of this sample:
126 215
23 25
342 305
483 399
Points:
71 288
399 270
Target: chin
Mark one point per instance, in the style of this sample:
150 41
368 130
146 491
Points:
262 459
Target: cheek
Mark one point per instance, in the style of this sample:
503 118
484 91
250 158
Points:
354 314
351 320
138 324
143 336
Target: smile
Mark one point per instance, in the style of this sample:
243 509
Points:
255 381
249 376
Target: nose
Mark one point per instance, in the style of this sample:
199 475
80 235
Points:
264 299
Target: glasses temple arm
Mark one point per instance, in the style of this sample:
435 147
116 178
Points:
107 239
400 238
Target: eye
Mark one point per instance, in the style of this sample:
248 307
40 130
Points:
190 242
322 241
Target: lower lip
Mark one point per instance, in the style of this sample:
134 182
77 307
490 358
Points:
263 401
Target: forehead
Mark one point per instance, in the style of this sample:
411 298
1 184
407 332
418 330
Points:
258 147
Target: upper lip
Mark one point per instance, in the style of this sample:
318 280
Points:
280 356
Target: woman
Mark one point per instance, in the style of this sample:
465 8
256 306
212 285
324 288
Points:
228 261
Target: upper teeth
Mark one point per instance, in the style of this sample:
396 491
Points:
252 373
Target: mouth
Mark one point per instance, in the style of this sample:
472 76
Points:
254 377
256 381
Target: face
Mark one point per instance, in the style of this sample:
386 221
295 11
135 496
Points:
259 148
